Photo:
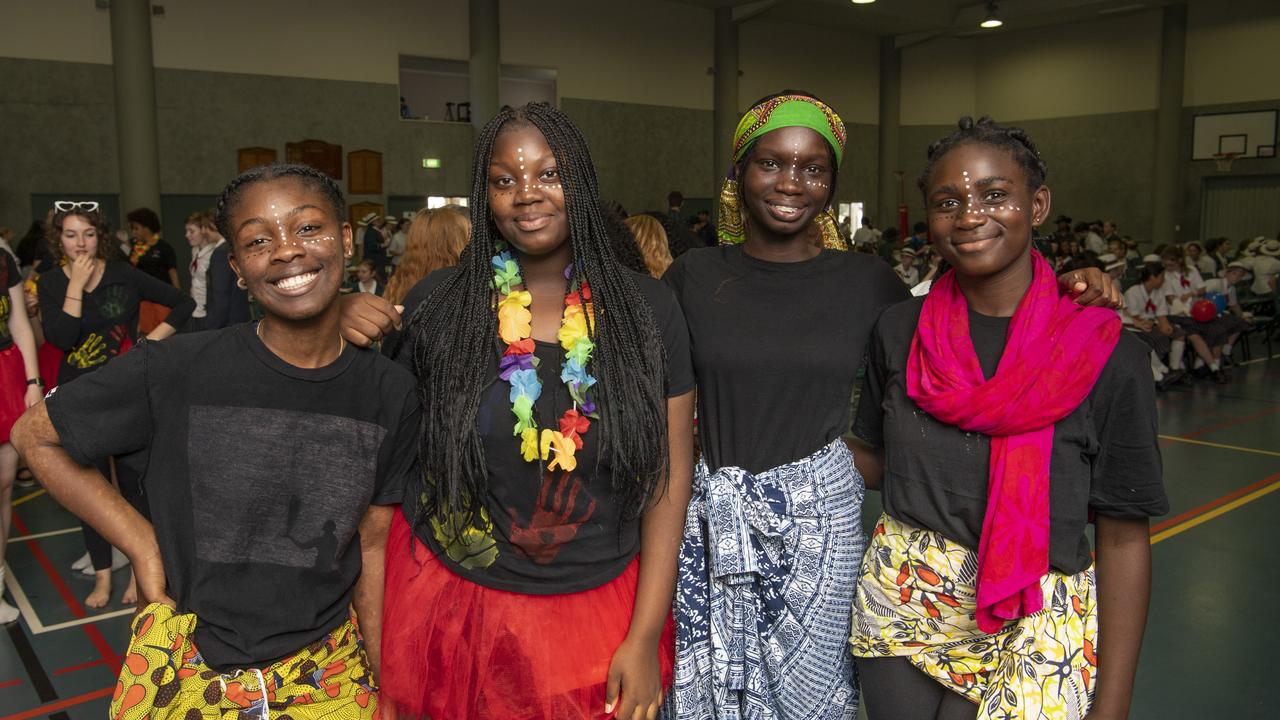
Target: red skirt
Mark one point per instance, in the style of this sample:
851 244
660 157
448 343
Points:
13 389
455 650
50 359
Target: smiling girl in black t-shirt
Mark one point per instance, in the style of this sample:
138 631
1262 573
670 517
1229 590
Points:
531 573
1009 418
274 456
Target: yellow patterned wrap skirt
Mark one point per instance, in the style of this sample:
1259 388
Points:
164 678
916 601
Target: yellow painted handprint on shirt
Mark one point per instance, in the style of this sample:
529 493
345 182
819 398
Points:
93 351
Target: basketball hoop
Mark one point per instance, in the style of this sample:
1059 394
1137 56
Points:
1224 160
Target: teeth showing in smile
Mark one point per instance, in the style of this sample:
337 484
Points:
297 281
786 210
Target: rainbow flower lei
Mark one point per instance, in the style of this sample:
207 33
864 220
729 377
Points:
519 365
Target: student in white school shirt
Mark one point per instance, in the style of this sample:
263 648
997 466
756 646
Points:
1146 313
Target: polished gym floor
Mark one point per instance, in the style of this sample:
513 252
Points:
1206 655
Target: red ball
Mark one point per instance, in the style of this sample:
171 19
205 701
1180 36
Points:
1204 311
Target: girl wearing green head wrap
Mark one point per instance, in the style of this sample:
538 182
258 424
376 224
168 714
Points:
792 113
779 319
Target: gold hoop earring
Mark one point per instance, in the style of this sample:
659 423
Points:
241 284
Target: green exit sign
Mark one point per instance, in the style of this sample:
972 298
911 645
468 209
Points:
431 163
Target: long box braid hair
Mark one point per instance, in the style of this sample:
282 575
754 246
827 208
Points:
454 337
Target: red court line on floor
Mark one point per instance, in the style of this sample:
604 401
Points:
60 704
69 599
10 683
1232 423
77 668
1195 512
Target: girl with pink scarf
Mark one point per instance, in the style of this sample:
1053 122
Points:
1008 417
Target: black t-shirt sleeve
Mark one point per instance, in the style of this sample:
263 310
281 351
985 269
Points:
1127 477
675 335
886 287
157 291
402 466
106 412
868 424
168 258
11 271
398 345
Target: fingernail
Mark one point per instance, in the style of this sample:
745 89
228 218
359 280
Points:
608 707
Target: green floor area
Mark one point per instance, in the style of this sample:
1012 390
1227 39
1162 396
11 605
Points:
1204 656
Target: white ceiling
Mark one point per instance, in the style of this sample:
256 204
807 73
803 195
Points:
929 17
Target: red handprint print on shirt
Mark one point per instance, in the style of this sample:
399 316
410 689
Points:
549 527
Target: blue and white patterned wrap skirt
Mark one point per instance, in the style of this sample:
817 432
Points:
768 570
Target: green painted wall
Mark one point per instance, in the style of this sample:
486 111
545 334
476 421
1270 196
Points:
57 119
1099 166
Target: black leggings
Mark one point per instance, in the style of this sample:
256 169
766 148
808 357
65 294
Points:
894 689
131 488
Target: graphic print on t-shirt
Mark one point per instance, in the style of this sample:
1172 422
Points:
293 476
555 519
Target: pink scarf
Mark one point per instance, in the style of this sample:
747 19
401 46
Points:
1052 357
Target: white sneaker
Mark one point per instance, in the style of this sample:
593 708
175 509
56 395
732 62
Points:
8 613
118 560
82 562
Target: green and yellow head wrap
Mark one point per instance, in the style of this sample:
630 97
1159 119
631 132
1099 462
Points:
774 114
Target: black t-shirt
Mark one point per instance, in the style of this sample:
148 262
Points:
10 278
108 322
257 474
777 347
553 532
1105 458
158 261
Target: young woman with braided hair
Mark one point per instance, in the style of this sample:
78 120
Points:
532 570
1008 418
779 319
274 456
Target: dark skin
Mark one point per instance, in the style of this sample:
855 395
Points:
982 227
527 203
281 231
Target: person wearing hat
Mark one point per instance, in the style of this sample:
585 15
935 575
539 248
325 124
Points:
375 243
1115 266
1265 265
1235 319
395 247
906 267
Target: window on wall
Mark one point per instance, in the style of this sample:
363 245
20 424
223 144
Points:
439 90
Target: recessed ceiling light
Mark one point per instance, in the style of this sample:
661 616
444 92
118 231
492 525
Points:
992 20
863 2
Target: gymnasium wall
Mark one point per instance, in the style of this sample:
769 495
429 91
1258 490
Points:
635 76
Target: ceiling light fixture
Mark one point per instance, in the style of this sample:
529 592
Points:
993 20
863 2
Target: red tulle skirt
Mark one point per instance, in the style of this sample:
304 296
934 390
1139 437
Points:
455 650
13 389
50 359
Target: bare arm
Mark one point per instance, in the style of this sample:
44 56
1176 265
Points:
24 337
367 599
82 490
868 460
1124 591
635 667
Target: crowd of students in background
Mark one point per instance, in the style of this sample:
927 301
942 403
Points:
1198 294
